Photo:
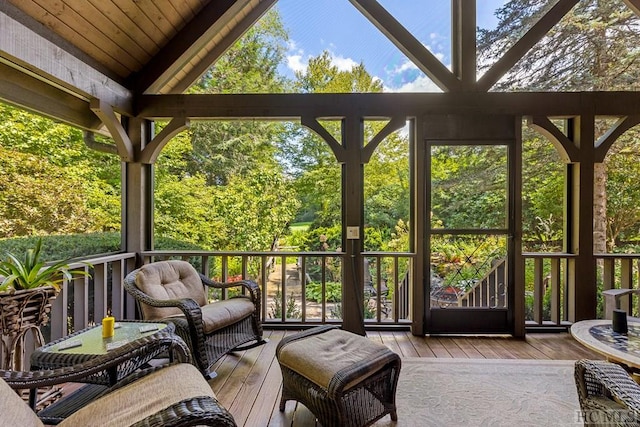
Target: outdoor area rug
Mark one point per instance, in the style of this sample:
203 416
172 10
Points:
487 392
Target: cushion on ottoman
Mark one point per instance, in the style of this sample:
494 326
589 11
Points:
320 357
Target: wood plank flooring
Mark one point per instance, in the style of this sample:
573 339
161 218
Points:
248 383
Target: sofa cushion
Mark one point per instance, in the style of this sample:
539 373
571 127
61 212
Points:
223 313
142 398
13 410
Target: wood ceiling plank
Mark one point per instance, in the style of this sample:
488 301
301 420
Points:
82 33
127 25
141 20
42 13
181 49
162 21
109 30
221 42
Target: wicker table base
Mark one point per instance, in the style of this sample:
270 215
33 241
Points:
357 381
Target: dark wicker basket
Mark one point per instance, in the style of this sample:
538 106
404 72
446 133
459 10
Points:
20 312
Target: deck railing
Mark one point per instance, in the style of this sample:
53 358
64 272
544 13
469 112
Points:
301 288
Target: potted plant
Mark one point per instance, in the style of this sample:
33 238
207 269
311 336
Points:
27 287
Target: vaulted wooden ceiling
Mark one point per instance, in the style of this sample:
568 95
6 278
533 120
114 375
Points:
59 54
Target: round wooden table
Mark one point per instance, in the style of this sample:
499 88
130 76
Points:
598 335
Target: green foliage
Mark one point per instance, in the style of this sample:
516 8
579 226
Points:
31 272
37 197
292 311
333 291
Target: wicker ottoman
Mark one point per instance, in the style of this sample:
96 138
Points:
343 378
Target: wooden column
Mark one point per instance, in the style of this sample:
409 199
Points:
137 192
582 272
353 220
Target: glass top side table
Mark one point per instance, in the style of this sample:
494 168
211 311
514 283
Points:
136 343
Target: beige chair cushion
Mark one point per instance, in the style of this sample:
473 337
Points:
224 313
14 412
319 357
142 398
164 280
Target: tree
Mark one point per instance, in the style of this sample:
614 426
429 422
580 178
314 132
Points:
219 185
316 171
594 47
53 152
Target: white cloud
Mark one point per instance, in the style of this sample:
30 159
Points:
421 84
342 63
296 64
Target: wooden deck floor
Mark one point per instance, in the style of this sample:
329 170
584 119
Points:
248 383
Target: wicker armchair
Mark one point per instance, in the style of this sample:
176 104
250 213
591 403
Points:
174 291
169 395
607 394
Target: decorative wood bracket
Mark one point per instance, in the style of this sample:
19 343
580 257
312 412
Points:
107 115
566 148
604 143
337 148
151 152
394 124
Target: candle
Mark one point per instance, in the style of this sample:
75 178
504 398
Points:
108 324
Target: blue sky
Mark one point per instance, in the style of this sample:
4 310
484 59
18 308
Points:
336 26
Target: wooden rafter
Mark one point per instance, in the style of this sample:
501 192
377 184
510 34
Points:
526 42
408 44
151 152
22 90
633 5
238 30
604 143
463 41
38 56
565 147
185 45
107 115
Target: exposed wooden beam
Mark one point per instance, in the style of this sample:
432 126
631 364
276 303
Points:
377 105
117 131
604 143
633 5
565 147
152 150
186 45
526 42
25 91
408 44
38 56
463 41
236 32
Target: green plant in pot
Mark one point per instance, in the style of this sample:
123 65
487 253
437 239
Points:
32 272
